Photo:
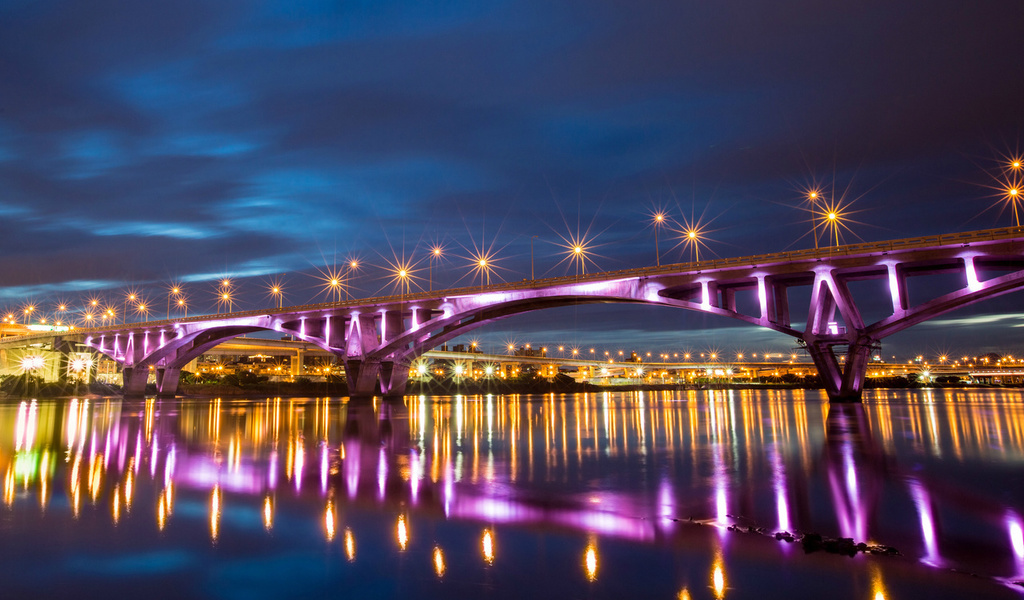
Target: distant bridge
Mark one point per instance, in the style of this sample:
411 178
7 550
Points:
378 338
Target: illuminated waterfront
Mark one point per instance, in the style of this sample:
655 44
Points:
589 495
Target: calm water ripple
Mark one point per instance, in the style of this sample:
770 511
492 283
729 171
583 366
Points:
658 495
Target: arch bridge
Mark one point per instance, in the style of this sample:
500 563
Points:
378 338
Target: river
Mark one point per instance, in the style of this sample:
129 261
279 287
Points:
718 494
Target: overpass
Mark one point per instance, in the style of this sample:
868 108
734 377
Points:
378 338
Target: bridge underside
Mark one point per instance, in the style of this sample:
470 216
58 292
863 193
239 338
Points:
377 340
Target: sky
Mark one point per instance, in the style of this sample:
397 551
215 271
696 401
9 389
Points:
143 143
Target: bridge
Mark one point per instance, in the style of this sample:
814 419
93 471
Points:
377 339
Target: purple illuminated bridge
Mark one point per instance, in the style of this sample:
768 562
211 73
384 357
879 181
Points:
378 338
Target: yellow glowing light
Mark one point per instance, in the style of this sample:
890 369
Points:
350 545
1013 191
438 561
329 521
215 509
268 514
161 515
832 216
225 282
402 533
718 578
684 594
436 251
813 195
335 282
487 546
354 264
590 561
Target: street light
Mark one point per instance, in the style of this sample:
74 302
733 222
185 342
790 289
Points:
277 292
531 256
812 196
130 297
659 218
353 265
173 291
436 254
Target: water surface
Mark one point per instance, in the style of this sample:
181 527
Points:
658 495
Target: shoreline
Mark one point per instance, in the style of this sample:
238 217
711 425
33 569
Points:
339 389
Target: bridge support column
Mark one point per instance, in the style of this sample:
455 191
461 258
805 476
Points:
134 381
394 377
362 377
167 380
297 363
842 383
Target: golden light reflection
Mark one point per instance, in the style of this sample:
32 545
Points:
9 487
590 561
402 533
438 561
350 545
487 546
877 585
684 594
215 508
161 514
169 498
718 577
129 487
268 514
116 508
329 521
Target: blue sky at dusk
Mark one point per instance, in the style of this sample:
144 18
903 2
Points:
144 142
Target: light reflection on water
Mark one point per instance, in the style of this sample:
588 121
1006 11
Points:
656 475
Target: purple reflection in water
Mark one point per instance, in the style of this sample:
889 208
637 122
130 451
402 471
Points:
924 511
1016 531
618 469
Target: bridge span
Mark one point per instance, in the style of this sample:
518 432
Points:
377 339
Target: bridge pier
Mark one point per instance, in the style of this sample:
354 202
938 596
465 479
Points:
134 381
167 381
394 377
362 377
843 383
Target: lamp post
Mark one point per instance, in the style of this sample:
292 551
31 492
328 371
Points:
531 256
352 266
436 253
812 197
659 218
130 297
174 291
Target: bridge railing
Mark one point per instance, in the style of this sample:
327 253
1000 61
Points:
932 241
